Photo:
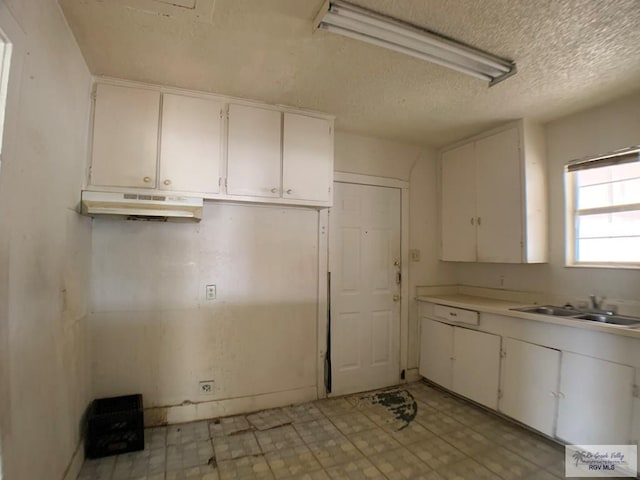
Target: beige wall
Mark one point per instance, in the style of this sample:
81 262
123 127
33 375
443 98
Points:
44 246
153 331
599 130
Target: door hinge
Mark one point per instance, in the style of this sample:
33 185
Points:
500 394
636 391
503 353
398 278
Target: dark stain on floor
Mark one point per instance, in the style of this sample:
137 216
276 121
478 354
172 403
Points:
400 403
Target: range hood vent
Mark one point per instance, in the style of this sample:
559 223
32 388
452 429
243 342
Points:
138 206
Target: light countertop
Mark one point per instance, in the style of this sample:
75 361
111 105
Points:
481 301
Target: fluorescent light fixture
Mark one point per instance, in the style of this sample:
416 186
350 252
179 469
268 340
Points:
359 23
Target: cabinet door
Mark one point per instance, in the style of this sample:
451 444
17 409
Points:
458 194
596 399
125 137
476 366
530 377
499 197
190 144
307 158
254 152
436 351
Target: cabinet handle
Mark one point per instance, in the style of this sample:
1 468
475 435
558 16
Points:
553 394
167 182
289 192
472 220
453 314
479 221
560 394
274 190
146 179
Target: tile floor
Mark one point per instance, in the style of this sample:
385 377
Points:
411 432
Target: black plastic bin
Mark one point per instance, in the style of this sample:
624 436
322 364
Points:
114 425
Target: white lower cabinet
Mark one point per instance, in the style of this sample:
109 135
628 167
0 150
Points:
476 366
463 360
530 381
436 352
596 401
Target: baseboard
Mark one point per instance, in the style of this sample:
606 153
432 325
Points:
75 464
192 412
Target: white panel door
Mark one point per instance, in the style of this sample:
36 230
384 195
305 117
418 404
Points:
476 366
530 382
365 308
125 137
307 158
436 352
190 144
458 209
499 197
596 399
254 152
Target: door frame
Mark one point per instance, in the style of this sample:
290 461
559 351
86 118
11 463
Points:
323 270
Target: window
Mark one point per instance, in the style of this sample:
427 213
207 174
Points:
604 210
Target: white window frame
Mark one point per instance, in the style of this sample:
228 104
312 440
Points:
571 212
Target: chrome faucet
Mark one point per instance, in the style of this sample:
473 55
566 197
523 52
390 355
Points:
595 303
596 306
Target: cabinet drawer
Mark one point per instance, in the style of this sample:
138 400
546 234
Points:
456 315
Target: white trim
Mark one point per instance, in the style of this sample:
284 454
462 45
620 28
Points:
404 286
323 269
346 177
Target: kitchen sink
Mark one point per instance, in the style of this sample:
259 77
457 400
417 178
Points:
566 312
548 310
611 319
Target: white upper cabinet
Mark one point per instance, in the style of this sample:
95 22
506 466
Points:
493 197
459 204
499 198
125 138
254 151
190 144
307 158
168 141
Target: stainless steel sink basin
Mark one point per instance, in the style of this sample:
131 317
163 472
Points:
611 319
555 311
548 310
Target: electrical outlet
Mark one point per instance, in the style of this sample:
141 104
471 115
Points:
210 292
415 255
205 387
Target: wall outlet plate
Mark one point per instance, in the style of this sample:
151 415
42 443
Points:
205 387
415 255
210 292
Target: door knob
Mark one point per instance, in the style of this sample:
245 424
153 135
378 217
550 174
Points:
146 179
167 182
396 298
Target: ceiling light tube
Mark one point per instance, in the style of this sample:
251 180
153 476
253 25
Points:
361 24
387 39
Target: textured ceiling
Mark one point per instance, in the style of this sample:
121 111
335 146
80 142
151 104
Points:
571 54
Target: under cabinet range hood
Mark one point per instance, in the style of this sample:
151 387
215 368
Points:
139 206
